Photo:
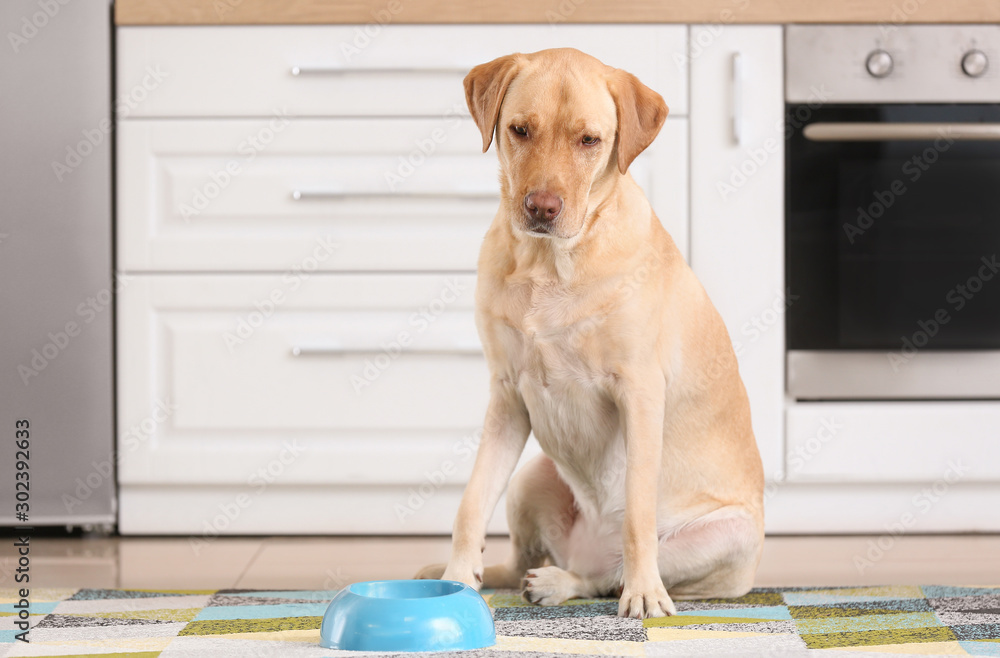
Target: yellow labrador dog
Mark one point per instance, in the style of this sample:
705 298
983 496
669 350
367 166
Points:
600 339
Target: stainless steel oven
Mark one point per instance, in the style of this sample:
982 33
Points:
892 241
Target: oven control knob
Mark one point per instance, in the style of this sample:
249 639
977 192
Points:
975 63
879 63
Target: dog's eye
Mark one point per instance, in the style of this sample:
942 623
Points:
590 140
520 130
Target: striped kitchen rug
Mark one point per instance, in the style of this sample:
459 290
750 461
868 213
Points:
928 620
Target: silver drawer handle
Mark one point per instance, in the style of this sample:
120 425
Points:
299 71
737 70
876 132
458 350
326 195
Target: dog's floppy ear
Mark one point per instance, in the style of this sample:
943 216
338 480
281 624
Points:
641 113
485 87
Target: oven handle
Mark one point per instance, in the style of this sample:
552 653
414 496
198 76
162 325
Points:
878 132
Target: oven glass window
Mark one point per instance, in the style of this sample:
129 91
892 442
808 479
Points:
889 241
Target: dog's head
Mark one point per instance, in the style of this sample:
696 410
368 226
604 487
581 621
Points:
566 125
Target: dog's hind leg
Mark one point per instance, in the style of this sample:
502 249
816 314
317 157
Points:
714 557
540 514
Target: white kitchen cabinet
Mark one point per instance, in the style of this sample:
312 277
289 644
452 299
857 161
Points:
279 231
874 442
889 511
342 204
295 390
737 207
393 194
328 70
372 367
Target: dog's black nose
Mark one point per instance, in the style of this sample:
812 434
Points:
542 206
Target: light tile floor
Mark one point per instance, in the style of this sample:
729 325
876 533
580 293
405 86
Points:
331 562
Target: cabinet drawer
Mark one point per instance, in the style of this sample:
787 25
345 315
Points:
376 379
397 194
883 442
402 70
375 194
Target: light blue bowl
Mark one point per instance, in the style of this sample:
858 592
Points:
407 615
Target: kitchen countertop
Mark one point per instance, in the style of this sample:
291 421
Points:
278 12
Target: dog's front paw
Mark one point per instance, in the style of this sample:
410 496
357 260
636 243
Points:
431 572
471 576
547 586
641 600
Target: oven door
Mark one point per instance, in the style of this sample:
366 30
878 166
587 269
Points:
892 243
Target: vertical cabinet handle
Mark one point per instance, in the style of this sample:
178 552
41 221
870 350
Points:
737 72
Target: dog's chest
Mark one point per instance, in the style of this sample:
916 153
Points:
556 344
557 355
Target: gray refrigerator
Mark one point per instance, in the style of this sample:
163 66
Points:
56 273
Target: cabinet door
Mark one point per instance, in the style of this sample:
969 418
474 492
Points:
873 442
737 207
297 403
358 369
